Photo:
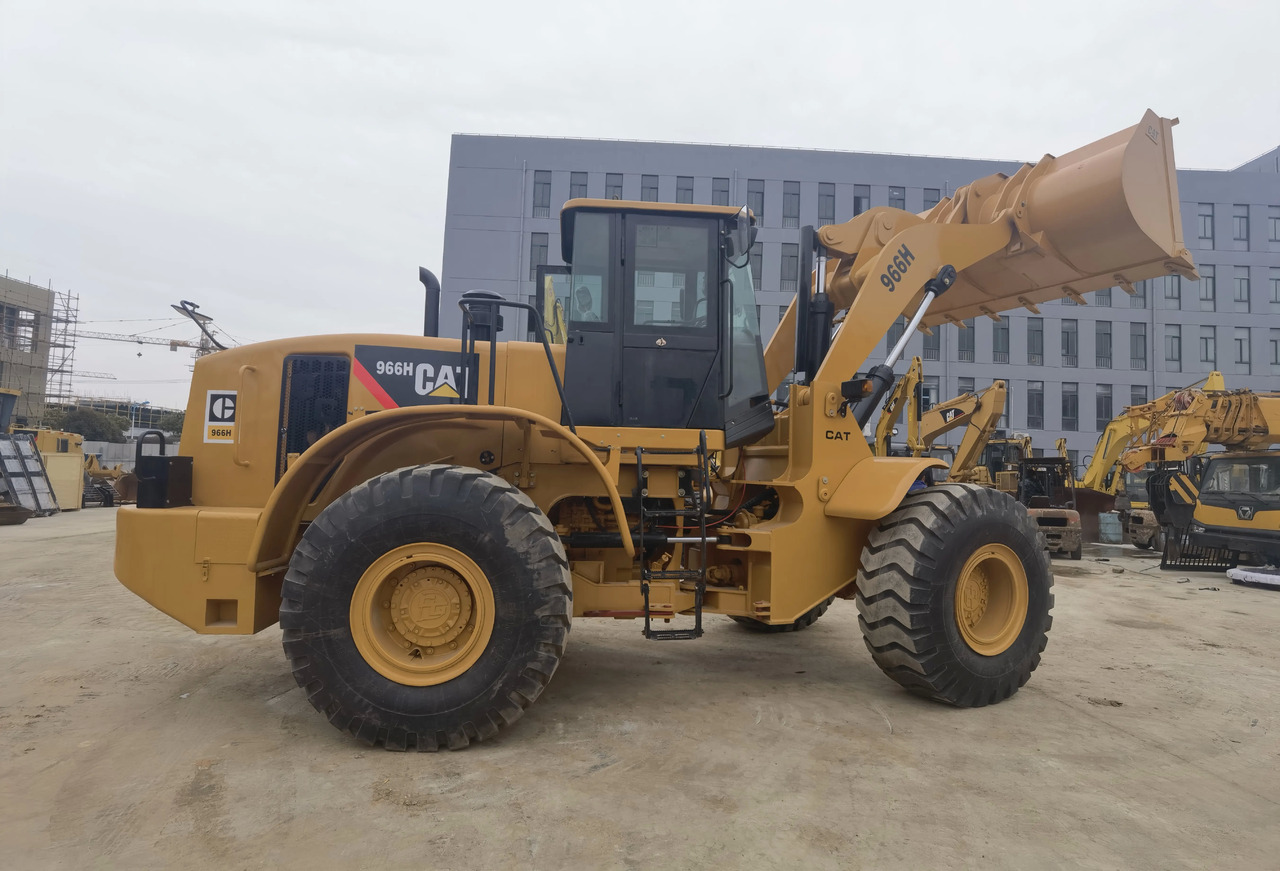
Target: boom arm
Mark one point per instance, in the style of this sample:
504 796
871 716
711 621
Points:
904 394
979 412
1238 419
1124 431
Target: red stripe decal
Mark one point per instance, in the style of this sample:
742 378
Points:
373 386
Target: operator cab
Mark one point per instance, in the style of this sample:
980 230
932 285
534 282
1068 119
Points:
660 318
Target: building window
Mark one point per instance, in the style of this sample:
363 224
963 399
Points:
1070 406
896 329
1240 225
1138 299
1242 287
537 253
861 198
612 186
1035 405
719 191
542 193
577 185
1138 394
930 392
782 313
1275 347
1209 346
791 204
826 203
897 197
649 188
1103 406
19 328
932 196
1102 344
1173 347
1035 341
1208 289
755 198
1205 219
1070 343
963 386
1173 290
684 189
1137 345
1000 341
757 264
1275 285
790 267
967 341
933 344
1273 223
1242 348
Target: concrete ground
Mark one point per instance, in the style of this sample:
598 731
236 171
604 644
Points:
1148 738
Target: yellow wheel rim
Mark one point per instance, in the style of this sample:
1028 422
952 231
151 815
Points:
422 614
991 599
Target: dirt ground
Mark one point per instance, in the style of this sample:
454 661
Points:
1148 738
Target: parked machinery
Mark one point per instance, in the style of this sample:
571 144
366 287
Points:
1214 508
425 516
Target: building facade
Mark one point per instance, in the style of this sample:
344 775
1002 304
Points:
26 322
1069 369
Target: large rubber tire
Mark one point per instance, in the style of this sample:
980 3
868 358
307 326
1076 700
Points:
807 619
1143 545
907 587
514 552
1076 554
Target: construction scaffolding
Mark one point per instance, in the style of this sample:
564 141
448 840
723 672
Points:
62 346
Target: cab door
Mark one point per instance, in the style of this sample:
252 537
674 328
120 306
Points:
669 323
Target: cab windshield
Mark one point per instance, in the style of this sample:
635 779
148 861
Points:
1258 476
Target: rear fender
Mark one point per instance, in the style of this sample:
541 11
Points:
277 530
875 486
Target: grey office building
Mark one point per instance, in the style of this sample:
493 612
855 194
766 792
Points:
1069 369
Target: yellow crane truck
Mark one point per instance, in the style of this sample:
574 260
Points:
425 516
1220 507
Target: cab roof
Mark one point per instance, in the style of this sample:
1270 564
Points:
582 204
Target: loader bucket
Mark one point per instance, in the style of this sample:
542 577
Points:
1103 215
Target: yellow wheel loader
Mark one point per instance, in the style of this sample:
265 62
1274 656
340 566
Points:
425 516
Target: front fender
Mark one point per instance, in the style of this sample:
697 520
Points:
273 539
875 486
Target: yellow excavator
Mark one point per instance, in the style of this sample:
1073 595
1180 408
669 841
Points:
1218 507
426 516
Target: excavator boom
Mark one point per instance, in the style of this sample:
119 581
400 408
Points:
979 412
1126 429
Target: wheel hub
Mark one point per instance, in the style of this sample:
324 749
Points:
422 614
431 607
991 599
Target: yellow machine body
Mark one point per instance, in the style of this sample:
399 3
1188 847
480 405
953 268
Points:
1102 215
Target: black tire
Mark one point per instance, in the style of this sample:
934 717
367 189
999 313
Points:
491 523
1076 554
807 619
907 587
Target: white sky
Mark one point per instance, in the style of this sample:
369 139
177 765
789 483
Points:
284 164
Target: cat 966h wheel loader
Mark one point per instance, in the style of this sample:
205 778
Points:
424 516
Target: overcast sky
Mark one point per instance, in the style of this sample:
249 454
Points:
284 164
